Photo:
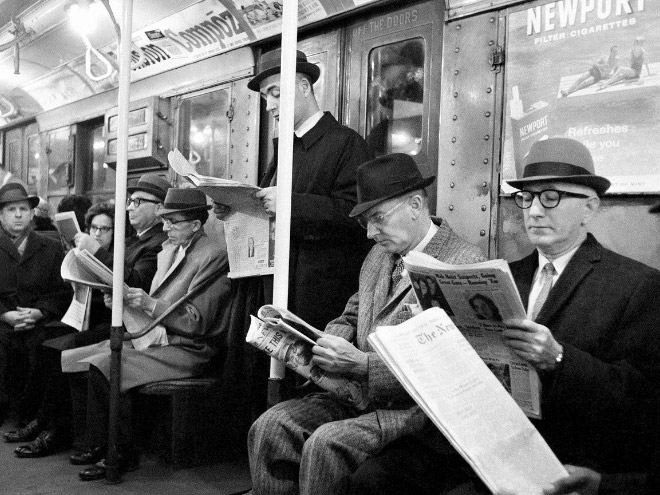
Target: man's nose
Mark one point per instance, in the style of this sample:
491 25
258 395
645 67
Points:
271 103
371 230
537 209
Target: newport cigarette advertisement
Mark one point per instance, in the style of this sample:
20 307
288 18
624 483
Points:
588 70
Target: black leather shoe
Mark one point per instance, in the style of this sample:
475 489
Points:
47 442
90 456
129 462
25 434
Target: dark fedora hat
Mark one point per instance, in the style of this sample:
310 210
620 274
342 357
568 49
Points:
270 64
183 201
561 160
387 177
153 184
13 191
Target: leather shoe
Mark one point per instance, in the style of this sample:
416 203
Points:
90 456
25 434
128 462
47 442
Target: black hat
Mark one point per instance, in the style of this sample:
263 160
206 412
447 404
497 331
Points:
387 177
561 160
13 191
153 184
270 64
183 201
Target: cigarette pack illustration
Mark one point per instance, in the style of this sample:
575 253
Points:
527 126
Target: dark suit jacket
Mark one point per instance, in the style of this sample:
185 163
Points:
33 280
605 312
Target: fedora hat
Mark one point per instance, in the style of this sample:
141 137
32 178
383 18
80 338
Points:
153 184
13 191
183 201
560 160
270 64
387 177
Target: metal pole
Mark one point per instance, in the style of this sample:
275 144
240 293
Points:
284 177
117 332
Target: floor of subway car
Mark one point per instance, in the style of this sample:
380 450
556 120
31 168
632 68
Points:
54 475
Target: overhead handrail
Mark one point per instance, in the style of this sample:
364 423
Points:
11 112
141 55
90 50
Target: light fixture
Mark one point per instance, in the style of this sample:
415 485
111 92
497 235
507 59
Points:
81 17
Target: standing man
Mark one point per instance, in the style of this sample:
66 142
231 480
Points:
327 247
592 332
313 444
32 292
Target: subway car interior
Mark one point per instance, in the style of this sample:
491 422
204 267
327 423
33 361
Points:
464 87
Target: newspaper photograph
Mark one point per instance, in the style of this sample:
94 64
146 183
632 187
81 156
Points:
478 297
249 230
292 345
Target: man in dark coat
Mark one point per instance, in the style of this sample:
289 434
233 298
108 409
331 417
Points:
32 292
591 332
327 247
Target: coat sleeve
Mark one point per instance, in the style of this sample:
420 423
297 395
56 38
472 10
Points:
198 316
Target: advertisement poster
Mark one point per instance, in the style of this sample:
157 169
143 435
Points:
589 71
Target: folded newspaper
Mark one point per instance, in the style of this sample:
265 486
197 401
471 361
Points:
451 383
249 230
287 338
81 267
478 297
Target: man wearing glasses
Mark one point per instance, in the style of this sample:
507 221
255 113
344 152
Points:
591 331
313 444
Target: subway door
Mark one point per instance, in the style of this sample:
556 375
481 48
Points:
322 50
392 91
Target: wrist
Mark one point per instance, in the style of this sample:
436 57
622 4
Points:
559 357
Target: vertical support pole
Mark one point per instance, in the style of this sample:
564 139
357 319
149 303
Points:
284 177
113 474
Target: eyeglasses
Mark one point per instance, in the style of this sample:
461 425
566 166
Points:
139 201
167 222
102 230
378 219
549 198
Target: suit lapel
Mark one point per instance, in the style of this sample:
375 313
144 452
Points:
9 248
32 246
578 267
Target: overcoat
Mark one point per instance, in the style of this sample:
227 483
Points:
193 330
598 405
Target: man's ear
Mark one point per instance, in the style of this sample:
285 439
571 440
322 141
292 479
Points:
590 208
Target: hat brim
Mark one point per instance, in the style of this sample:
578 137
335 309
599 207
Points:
33 201
595 182
362 207
167 211
312 70
151 190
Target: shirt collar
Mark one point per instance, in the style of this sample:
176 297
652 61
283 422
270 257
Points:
559 263
433 229
306 126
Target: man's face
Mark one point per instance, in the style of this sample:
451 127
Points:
270 91
15 217
179 230
554 231
144 216
389 224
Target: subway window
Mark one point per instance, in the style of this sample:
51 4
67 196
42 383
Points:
103 177
34 153
395 97
59 159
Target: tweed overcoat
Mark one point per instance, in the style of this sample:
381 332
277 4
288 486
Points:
192 330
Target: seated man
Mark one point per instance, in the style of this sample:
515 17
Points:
591 332
313 444
32 292
189 261
51 426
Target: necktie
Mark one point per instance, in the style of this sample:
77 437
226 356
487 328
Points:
398 269
546 284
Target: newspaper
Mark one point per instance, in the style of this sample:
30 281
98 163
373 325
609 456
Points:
81 267
249 230
440 370
287 338
67 225
478 297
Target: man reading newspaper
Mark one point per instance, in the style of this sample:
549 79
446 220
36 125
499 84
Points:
313 444
591 331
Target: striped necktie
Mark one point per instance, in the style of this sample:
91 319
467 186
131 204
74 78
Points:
398 269
546 284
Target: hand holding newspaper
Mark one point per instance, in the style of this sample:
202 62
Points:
81 267
284 336
67 225
454 387
478 297
249 230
